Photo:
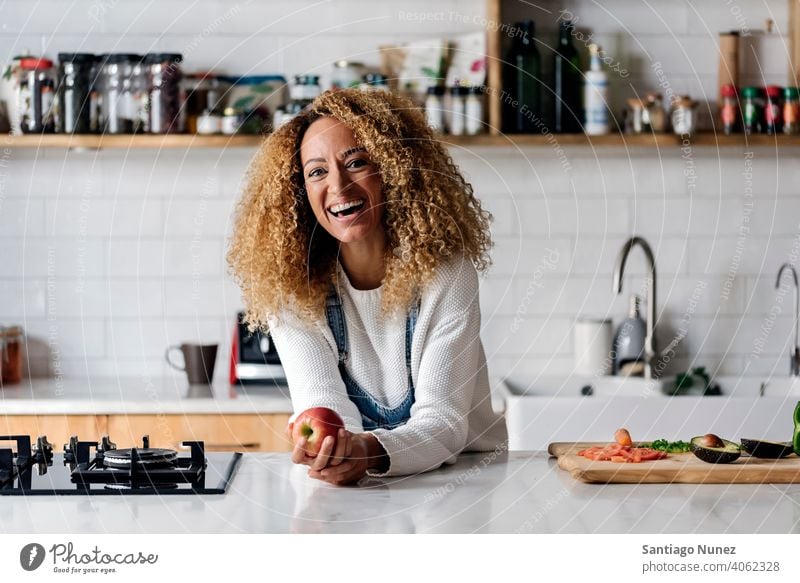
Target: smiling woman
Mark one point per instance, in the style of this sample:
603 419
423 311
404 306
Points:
358 245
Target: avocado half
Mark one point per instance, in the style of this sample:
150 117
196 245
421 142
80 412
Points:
767 449
726 453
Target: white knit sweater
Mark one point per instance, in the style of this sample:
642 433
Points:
452 411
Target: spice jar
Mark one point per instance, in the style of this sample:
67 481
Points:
635 117
120 78
791 110
11 339
37 96
773 118
653 118
474 112
683 117
164 92
728 110
458 110
434 108
346 74
231 121
751 110
208 122
74 86
10 82
375 82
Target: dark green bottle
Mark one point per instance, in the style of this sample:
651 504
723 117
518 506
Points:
568 83
522 83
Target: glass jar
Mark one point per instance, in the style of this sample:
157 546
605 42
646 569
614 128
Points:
346 74
209 122
375 82
635 118
791 110
74 88
36 97
120 79
10 82
458 110
751 110
434 108
11 341
773 118
728 110
684 122
653 118
474 112
164 99
231 121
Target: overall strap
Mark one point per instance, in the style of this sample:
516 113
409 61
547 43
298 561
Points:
335 315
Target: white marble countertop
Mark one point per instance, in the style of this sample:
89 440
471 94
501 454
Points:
138 396
517 492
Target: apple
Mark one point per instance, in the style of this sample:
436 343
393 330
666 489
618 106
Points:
315 425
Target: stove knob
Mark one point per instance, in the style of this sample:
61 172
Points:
70 449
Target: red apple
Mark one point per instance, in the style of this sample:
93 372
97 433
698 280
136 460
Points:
315 425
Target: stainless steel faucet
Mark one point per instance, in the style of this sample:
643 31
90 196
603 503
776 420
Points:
794 357
619 273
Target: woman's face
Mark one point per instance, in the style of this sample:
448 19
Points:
343 185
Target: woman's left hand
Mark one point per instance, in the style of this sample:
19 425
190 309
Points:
352 468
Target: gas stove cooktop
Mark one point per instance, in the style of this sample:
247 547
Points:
92 468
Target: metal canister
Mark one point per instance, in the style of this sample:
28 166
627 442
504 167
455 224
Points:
74 87
36 95
122 87
164 98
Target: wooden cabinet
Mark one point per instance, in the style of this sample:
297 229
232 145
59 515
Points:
230 432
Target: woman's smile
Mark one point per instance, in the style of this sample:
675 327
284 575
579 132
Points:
343 184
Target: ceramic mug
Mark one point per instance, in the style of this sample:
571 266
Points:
198 361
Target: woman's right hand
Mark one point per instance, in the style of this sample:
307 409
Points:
332 452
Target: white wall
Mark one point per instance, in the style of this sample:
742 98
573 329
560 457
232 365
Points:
107 257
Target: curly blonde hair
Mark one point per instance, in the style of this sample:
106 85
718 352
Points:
282 259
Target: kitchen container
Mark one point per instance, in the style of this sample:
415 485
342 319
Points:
121 82
202 92
458 110
258 97
684 115
36 95
592 347
791 110
346 74
11 341
434 108
653 115
375 82
773 110
209 122
164 99
728 110
751 109
9 92
74 89
635 119
474 111
231 121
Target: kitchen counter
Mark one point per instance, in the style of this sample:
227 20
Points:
139 396
512 492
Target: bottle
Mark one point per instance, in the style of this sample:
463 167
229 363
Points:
474 111
773 122
751 110
728 109
629 342
458 110
595 96
434 108
796 436
791 110
567 71
522 95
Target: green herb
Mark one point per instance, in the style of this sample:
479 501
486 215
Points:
668 446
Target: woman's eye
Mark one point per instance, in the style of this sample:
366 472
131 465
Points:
315 173
357 163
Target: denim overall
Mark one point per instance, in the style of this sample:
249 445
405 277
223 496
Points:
374 415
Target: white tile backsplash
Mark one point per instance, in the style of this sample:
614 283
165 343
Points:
106 257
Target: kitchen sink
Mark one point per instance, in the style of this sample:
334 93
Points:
543 409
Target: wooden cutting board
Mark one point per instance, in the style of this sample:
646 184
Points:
681 468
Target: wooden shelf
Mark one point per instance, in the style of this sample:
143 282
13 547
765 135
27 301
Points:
129 141
156 142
